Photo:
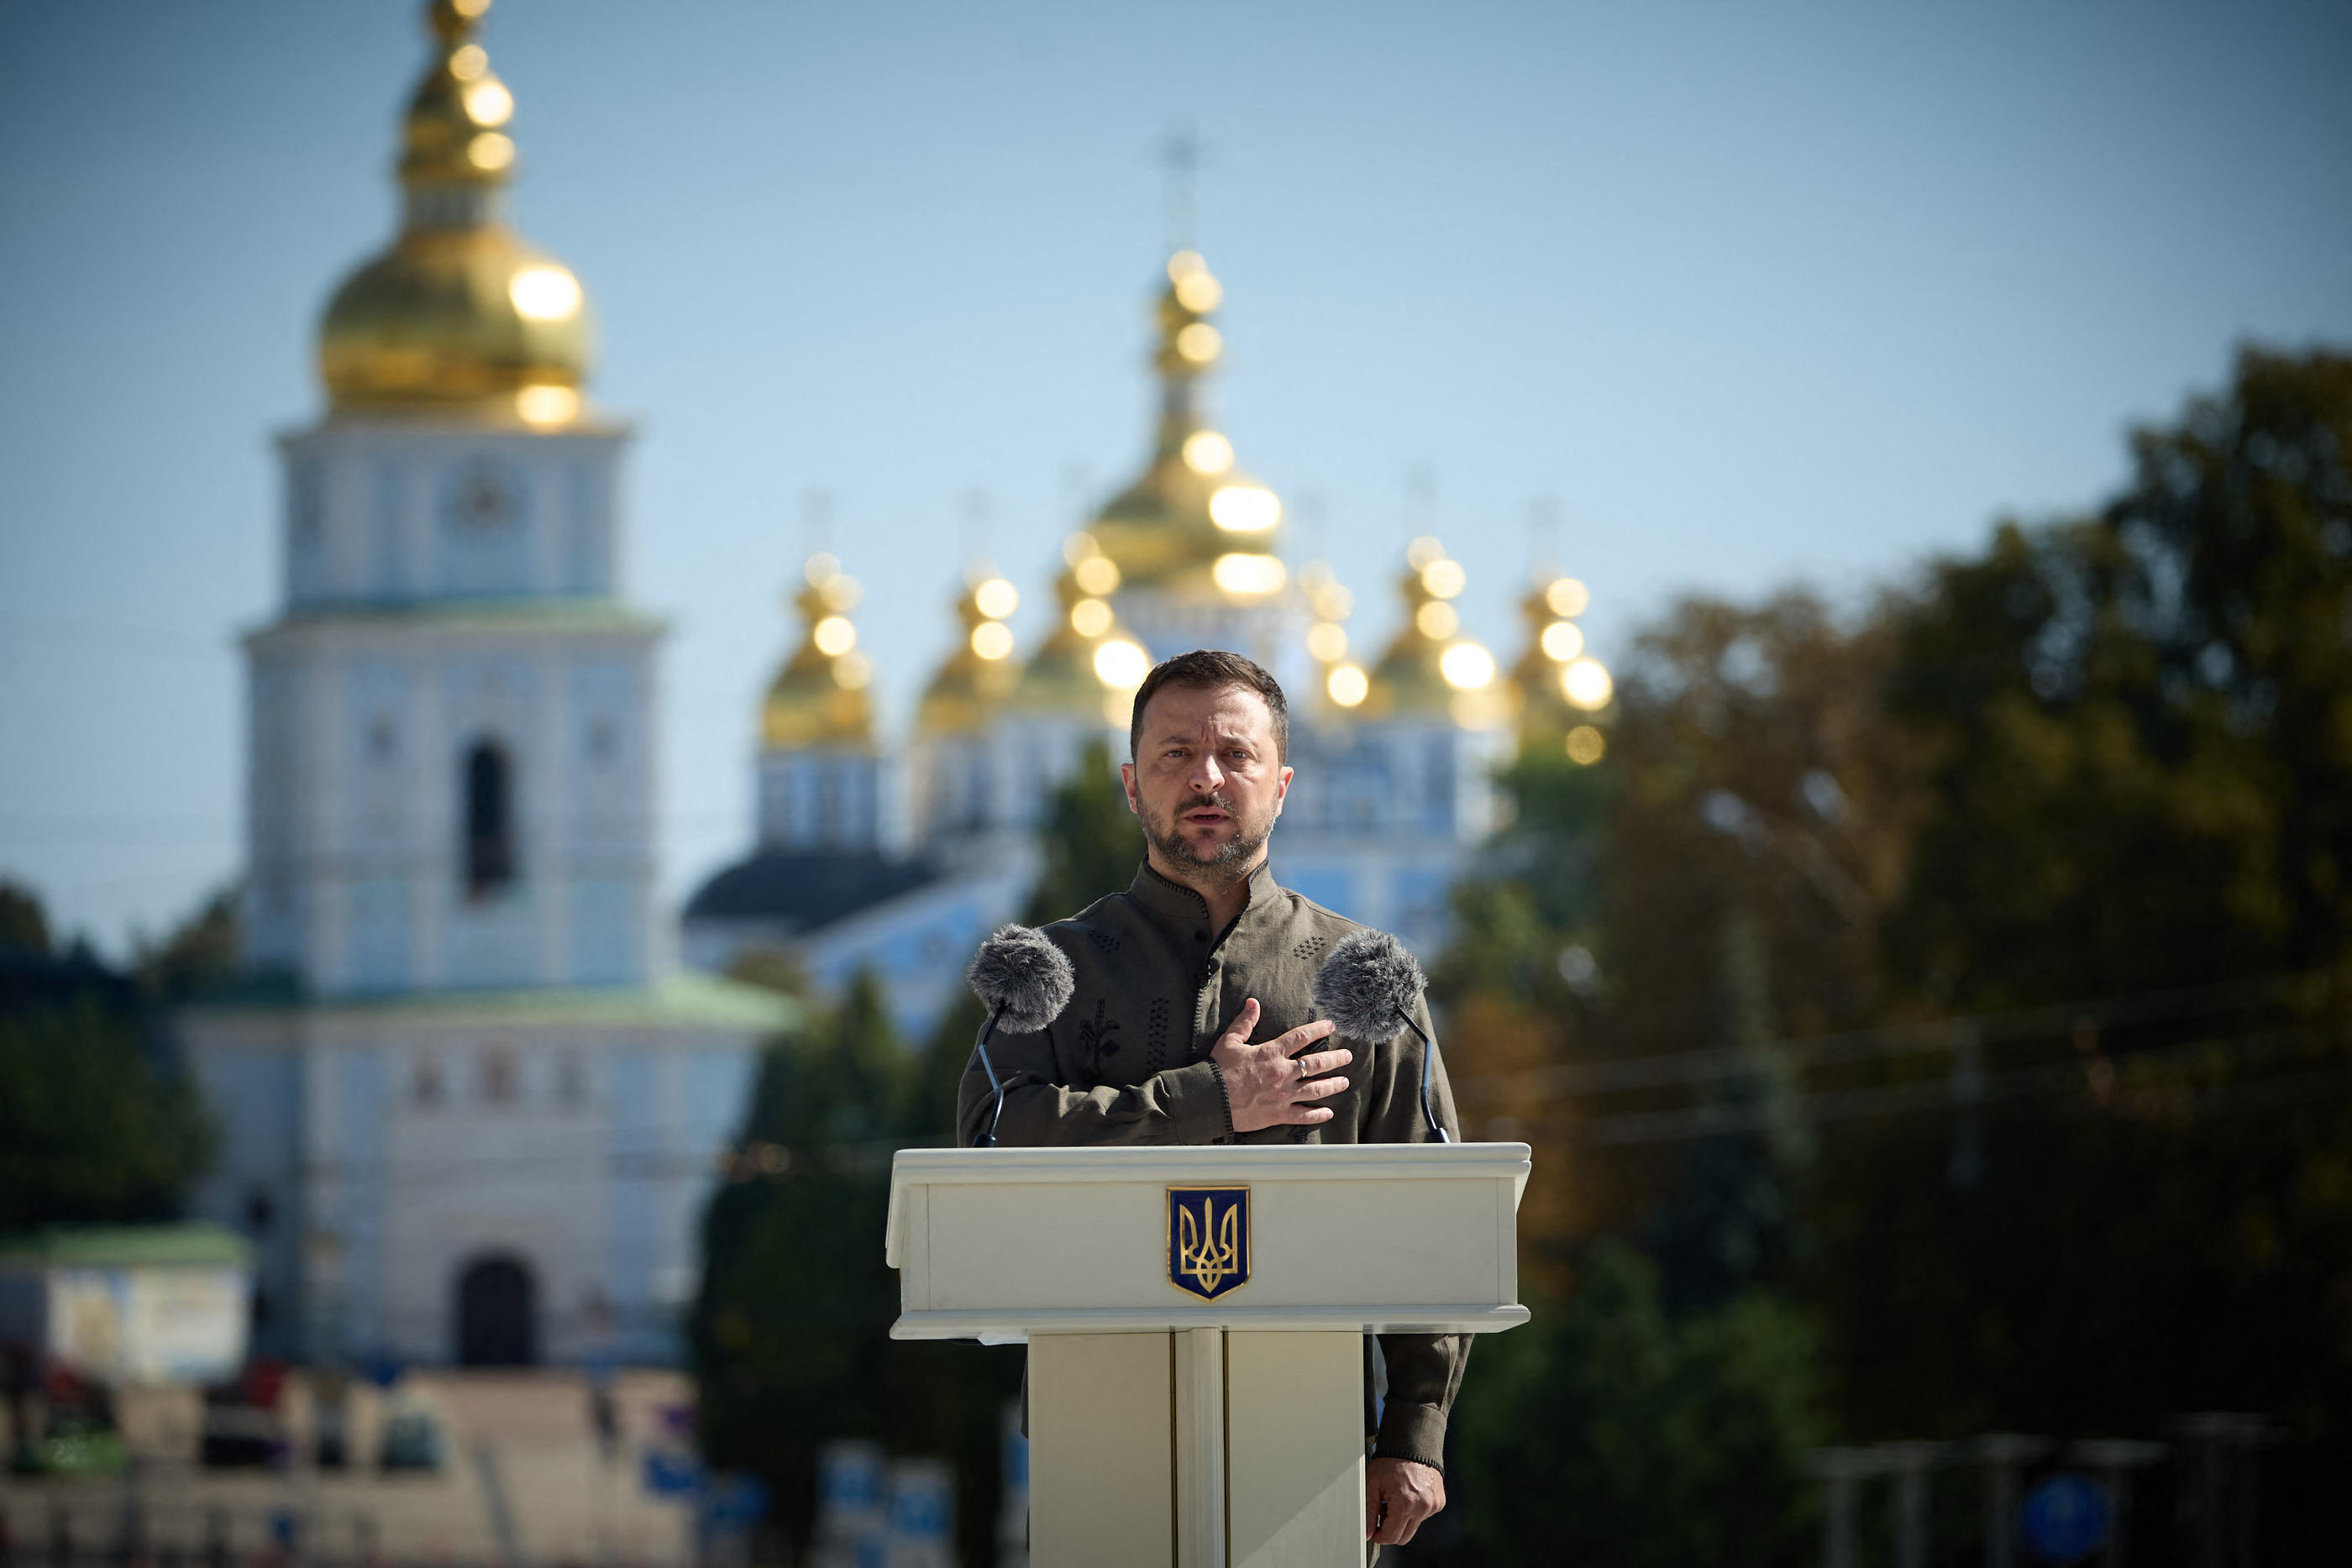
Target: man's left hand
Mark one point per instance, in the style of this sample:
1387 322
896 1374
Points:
1399 1495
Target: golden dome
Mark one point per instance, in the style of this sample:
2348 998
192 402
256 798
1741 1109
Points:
1090 665
1431 668
1193 521
971 684
459 314
820 697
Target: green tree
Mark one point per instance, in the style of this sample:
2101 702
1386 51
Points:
2142 722
1090 841
2137 741
91 1129
200 954
1995 938
24 925
791 1332
1610 1430
794 1286
96 1125
1716 881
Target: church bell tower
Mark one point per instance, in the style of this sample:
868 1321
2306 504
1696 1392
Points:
451 717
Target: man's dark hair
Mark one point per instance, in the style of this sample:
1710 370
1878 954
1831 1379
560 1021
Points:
1207 669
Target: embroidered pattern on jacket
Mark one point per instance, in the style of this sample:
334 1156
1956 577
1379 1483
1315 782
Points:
1308 948
1155 1036
1096 1036
1103 940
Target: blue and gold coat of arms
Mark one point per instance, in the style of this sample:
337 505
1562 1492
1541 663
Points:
1208 1239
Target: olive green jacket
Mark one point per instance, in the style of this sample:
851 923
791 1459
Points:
1128 1063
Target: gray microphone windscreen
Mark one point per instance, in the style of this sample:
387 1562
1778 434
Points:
1369 986
1019 975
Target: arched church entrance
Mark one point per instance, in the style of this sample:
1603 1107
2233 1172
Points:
497 1313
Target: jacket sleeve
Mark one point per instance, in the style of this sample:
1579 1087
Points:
1179 1105
1424 1371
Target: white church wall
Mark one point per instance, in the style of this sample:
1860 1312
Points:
391 1152
634 1245
250 1069
378 512
273 915
362 728
818 797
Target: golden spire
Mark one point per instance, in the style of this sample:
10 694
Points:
819 697
1539 681
1090 665
1430 668
1344 683
1193 521
973 681
459 315
1558 686
454 134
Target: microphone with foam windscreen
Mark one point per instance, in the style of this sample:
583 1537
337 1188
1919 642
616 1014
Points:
1025 982
1369 986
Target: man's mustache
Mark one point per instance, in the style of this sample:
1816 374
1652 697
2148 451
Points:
1209 803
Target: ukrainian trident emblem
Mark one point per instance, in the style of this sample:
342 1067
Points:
1208 1239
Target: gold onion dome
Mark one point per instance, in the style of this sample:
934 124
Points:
1090 665
1193 522
458 316
819 696
1430 668
972 683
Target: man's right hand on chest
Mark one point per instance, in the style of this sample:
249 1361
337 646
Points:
1271 1084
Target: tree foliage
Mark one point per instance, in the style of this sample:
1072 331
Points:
2137 731
96 1124
1969 975
1090 842
1611 1430
24 924
790 1333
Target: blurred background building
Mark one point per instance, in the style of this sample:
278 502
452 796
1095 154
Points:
470 1107
897 858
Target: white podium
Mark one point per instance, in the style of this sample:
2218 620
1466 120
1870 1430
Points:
1195 1318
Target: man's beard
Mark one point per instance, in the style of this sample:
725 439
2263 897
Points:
1225 863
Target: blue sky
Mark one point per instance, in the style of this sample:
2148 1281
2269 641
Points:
1753 293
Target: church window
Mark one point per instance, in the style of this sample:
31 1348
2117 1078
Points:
260 1209
499 1077
600 741
424 1085
382 741
489 821
571 1079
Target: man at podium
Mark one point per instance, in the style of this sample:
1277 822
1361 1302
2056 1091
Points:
1192 1019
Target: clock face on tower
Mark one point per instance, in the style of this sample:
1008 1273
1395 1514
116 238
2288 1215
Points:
482 496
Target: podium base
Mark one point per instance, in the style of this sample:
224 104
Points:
1201 1448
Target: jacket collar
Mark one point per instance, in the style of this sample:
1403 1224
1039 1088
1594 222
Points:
1177 904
